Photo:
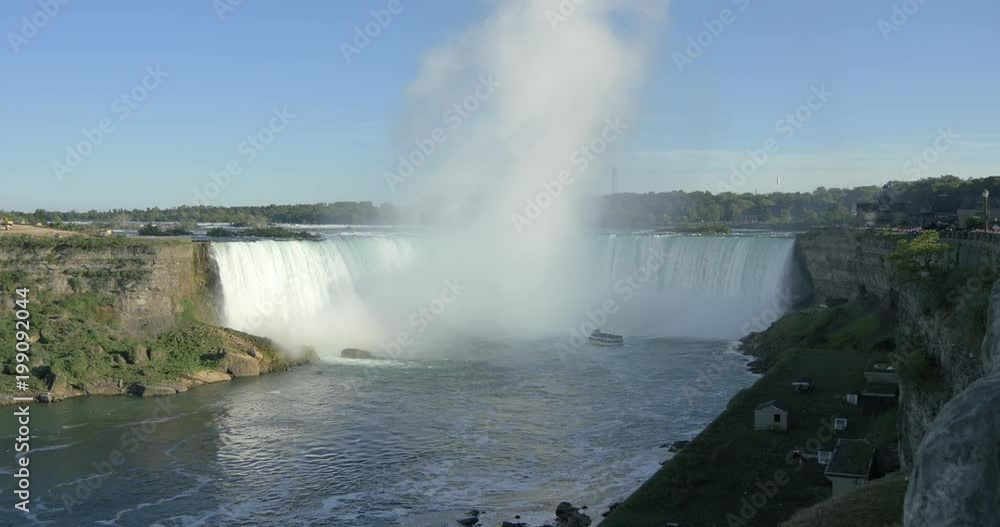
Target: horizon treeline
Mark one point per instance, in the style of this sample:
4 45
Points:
822 206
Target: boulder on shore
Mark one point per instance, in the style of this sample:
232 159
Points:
240 365
679 445
569 516
355 353
209 377
153 390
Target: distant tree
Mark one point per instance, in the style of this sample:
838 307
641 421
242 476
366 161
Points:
188 224
118 221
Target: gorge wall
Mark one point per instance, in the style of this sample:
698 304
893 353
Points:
947 427
115 315
152 281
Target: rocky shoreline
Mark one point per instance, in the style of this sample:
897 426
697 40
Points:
566 516
250 356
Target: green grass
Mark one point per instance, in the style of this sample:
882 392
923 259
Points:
879 504
84 243
724 464
80 339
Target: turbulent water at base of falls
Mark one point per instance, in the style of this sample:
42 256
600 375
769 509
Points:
365 291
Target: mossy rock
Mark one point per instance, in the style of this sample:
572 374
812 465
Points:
138 355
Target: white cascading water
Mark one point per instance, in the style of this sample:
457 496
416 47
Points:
361 291
704 287
305 293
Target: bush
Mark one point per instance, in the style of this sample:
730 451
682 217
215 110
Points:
918 368
264 232
154 230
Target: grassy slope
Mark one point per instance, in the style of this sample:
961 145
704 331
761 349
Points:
723 465
877 505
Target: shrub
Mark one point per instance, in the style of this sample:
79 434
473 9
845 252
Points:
154 230
919 369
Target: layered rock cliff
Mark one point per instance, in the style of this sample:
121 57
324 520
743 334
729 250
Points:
152 281
119 315
944 323
949 421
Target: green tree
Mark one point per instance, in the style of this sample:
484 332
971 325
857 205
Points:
919 258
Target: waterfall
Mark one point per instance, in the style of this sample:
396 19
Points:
305 293
706 287
362 291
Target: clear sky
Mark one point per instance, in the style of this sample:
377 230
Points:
223 80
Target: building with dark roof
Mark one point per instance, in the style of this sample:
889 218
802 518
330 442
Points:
878 396
851 465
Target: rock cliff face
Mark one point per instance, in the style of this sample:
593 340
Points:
845 265
153 282
122 315
956 473
948 432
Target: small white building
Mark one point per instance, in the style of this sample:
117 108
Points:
771 415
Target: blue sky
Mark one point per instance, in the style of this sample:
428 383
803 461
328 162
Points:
226 78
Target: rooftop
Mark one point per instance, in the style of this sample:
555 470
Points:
885 389
851 458
772 403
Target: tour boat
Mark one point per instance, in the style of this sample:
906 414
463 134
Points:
606 339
